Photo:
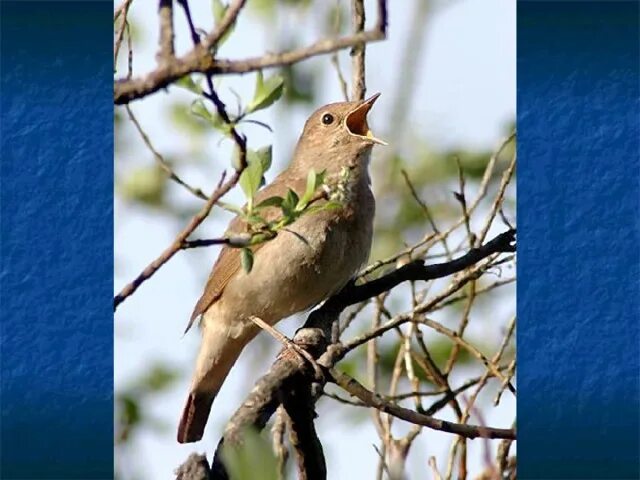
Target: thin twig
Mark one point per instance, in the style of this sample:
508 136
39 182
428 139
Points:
122 10
287 342
176 245
358 85
469 431
506 178
505 382
165 12
161 160
426 211
431 239
227 22
462 198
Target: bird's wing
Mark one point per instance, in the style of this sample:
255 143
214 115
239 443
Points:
228 262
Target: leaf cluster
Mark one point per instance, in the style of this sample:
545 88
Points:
292 205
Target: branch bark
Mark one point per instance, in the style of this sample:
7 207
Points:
292 372
299 403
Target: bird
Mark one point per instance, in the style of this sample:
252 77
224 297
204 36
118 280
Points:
308 261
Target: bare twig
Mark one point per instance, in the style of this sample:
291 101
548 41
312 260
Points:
225 24
335 60
431 239
497 203
426 211
122 10
161 160
358 86
468 431
176 245
288 343
227 21
165 12
505 381
418 271
462 198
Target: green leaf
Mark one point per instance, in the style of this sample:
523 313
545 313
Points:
253 459
270 202
246 259
219 10
188 83
262 155
314 180
256 219
250 180
146 185
230 207
262 237
290 202
267 92
199 110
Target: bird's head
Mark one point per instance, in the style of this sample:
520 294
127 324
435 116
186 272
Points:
336 135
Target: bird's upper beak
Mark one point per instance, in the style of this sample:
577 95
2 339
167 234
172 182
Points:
356 121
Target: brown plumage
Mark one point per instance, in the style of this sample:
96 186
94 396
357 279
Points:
305 263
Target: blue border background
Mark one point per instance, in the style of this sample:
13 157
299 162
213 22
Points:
579 237
578 240
57 240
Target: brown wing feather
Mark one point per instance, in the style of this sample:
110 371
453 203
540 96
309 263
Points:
228 261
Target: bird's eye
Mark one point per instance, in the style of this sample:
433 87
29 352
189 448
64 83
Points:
327 119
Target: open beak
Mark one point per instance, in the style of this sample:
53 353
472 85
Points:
356 121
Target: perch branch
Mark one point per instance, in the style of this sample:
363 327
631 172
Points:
266 395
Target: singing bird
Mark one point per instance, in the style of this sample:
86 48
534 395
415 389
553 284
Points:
310 259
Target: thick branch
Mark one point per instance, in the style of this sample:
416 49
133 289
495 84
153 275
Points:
299 405
419 271
195 467
263 400
265 396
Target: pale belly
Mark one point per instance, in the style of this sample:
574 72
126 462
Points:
297 270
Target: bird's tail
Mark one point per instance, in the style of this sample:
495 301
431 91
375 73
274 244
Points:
218 353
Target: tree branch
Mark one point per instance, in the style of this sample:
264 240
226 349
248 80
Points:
176 245
200 59
375 401
313 337
161 160
265 396
357 54
417 270
165 12
299 404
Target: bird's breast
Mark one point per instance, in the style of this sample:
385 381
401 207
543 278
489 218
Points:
308 261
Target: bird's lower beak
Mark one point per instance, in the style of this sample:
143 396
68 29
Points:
356 121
